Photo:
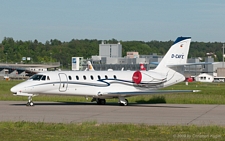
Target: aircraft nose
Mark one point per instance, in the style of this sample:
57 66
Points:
14 89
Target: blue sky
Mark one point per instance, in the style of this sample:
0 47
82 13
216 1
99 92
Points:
126 20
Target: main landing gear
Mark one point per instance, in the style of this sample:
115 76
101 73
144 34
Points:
123 101
30 102
99 101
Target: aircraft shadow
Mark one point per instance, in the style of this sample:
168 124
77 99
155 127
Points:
56 103
149 105
138 104
153 100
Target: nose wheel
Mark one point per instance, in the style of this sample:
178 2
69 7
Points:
30 102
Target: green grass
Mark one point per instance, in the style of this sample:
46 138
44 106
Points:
20 131
211 93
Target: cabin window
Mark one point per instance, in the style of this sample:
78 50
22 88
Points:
84 77
36 77
92 77
114 76
106 77
99 77
70 78
43 77
48 78
77 77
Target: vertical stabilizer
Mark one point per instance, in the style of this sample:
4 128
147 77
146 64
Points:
90 67
142 67
177 53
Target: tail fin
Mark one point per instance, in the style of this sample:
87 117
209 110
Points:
142 67
177 53
90 67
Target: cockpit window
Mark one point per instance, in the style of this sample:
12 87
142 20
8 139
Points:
37 77
43 77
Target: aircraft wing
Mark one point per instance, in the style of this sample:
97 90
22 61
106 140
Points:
148 92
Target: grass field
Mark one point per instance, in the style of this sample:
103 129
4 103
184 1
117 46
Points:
111 132
211 93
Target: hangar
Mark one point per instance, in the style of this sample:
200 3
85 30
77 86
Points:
22 71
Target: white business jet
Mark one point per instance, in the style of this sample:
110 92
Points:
101 85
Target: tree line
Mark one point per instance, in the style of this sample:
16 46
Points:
12 51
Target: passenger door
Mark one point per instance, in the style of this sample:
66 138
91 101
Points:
63 82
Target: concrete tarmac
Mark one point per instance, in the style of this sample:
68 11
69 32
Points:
76 112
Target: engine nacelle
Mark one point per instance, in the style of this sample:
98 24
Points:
148 77
137 77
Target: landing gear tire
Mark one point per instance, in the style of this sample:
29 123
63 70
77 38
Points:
30 102
124 104
101 101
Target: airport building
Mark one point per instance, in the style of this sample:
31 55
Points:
110 50
110 58
108 61
23 71
77 63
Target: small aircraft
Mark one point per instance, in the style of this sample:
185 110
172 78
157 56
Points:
89 67
142 67
101 85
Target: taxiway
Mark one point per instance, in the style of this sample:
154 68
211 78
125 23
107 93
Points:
75 112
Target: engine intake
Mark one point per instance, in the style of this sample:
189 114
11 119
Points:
137 77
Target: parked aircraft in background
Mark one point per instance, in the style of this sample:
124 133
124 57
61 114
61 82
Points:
89 67
142 67
101 85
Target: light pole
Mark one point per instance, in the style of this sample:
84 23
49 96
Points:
51 58
6 57
223 55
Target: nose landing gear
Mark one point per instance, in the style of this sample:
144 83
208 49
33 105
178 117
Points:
30 102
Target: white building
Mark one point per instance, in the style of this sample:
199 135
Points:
77 63
110 50
132 54
204 77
